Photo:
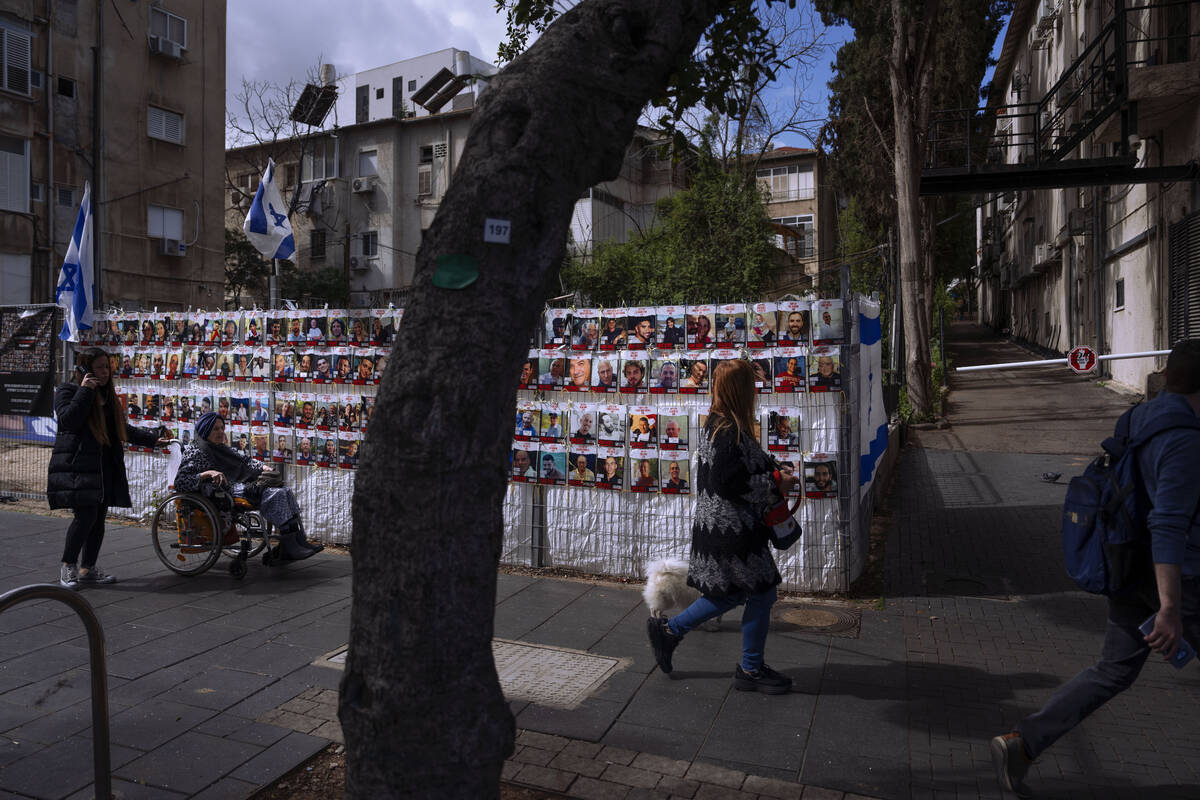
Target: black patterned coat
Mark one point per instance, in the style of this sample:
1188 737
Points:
731 543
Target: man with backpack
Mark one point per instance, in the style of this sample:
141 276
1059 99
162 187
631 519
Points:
1163 437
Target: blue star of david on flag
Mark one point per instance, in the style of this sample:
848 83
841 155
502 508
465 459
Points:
76 287
267 226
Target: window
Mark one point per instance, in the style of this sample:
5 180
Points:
425 170
370 244
66 87
289 175
362 104
1183 271
379 94
15 45
316 245
398 97
64 196
786 183
165 125
37 193
14 174
412 86
16 280
166 25
368 163
1119 303
801 244
164 223
320 163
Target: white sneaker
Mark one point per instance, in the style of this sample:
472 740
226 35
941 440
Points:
67 577
95 575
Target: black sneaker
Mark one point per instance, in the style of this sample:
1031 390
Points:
1011 762
764 679
662 641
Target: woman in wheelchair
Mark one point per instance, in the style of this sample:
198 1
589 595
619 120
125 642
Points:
209 463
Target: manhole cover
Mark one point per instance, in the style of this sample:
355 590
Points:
548 676
821 619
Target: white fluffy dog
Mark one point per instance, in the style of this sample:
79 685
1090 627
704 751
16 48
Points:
667 590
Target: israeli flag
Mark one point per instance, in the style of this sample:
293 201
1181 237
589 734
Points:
267 226
76 280
873 418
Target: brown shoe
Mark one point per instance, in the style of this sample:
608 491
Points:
1011 762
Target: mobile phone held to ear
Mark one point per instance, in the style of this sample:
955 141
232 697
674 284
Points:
80 373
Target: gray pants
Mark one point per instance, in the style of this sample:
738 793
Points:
1125 651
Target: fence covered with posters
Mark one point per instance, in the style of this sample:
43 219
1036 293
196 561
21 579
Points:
611 405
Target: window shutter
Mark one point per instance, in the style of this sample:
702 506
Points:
362 100
165 125
398 97
16 60
1183 275
14 175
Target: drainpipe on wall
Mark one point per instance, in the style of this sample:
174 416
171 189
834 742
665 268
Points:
98 160
1101 236
50 200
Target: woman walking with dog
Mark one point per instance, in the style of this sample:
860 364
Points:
87 466
740 513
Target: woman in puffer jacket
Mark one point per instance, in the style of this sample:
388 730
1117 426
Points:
87 467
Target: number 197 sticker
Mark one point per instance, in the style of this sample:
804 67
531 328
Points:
497 231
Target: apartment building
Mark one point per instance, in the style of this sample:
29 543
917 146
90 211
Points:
1100 99
799 204
130 98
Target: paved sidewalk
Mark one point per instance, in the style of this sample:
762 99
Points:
214 691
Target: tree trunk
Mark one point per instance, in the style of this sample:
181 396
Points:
910 72
421 707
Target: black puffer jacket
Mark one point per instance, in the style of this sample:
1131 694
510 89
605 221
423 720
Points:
82 471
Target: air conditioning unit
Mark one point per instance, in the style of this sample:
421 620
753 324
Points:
360 263
1043 253
362 185
171 247
1078 221
165 47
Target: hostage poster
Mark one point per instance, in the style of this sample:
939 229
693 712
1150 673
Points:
26 362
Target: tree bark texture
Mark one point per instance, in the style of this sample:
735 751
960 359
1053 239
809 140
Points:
421 706
911 75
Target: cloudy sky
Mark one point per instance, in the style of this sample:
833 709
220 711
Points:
356 35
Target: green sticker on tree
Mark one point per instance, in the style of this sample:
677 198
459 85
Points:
455 271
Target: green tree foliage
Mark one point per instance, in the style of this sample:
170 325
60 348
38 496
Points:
246 271
713 243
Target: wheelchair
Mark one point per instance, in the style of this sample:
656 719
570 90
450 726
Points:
192 531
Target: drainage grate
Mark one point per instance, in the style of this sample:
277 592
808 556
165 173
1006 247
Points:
548 676
819 619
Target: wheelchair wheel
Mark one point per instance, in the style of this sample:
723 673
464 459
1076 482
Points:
254 531
187 533
237 568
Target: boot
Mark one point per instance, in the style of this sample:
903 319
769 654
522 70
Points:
290 548
316 547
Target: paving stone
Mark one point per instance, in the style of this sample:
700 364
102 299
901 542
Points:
661 765
578 764
582 749
510 770
279 759
630 776
541 740
639 793
227 789
817 793
616 755
533 755
770 787
711 791
331 731
678 787
707 773
594 789
544 777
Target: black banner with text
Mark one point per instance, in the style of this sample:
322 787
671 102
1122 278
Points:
27 361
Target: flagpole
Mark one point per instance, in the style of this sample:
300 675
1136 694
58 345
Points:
274 289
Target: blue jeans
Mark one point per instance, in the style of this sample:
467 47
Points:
1125 651
756 619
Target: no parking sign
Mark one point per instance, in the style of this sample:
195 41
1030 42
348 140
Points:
1082 359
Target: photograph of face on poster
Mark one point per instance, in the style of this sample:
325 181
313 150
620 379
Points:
641 321
643 427
700 327
793 323
583 467
820 476
296 326
283 365
764 374
306 410
796 464
349 412
552 368
731 324
383 326
364 366
284 413
283 452
146 328
314 328
520 462
348 444
552 461
343 368
170 402
610 471
240 407
828 322
553 423
612 328
224 370
184 411
633 374
527 422
760 325
674 474
664 376
306 450
327 412
610 425
825 369
529 371
260 411
789 370
579 373
783 429
252 328
260 364
260 439
360 327
150 402
185 433
604 374
276 332
327 454
337 330
672 327
695 375
645 472
556 328
322 362
585 329
239 438
583 427
672 428
241 363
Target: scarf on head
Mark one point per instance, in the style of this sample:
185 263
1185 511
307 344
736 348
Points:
229 462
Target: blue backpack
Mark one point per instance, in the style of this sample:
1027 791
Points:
1106 544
